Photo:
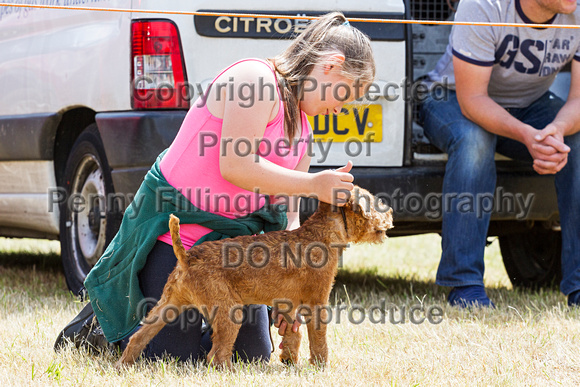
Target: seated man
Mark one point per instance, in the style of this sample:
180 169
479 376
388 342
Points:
501 103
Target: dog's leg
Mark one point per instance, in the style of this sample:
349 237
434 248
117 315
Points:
290 345
163 313
225 332
317 335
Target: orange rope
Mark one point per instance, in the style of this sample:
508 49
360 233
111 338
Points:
257 16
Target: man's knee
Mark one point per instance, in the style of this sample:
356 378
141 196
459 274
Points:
573 141
476 145
448 129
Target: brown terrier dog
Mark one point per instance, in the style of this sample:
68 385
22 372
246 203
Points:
296 266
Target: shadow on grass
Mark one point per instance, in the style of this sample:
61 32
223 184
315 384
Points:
49 262
31 275
366 287
368 284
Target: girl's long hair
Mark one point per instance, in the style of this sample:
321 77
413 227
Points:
321 38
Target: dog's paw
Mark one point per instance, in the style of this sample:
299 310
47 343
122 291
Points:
318 362
124 362
121 366
288 358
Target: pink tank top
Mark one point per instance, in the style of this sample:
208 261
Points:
191 165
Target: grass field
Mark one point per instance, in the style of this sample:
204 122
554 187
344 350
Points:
532 338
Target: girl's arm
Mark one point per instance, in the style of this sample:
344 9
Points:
244 121
294 201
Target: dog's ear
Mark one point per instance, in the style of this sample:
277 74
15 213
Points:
360 202
363 209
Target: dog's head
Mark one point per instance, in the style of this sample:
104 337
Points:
367 217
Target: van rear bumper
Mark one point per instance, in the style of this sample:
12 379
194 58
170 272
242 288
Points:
133 140
414 193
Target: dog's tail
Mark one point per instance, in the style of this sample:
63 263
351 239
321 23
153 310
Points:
178 248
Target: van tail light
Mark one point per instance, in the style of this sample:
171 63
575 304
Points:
158 74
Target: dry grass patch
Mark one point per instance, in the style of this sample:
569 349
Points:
531 339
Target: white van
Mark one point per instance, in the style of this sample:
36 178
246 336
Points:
90 98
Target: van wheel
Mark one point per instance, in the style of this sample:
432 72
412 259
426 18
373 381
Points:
533 259
87 225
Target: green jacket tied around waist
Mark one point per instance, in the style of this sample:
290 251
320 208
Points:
113 284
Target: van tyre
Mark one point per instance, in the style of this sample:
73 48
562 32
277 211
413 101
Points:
533 259
87 224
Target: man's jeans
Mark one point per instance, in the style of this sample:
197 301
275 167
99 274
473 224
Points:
470 172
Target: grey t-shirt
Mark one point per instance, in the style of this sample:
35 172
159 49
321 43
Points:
525 60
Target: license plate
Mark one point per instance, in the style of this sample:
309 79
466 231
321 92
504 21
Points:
356 122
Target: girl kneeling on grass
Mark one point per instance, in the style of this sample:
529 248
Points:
203 175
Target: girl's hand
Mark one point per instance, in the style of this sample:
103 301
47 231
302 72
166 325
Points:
334 185
282 325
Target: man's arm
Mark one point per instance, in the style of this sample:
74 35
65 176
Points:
549 153
471 82
567 121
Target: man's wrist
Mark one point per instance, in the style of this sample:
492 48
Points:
562 127
522 132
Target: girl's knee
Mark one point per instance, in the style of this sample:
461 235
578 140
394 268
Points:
253 341
260 352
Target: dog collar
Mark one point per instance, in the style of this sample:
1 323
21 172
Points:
344 220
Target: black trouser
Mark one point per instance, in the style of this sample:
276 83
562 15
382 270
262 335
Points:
183 338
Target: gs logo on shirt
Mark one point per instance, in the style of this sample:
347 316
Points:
542 57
